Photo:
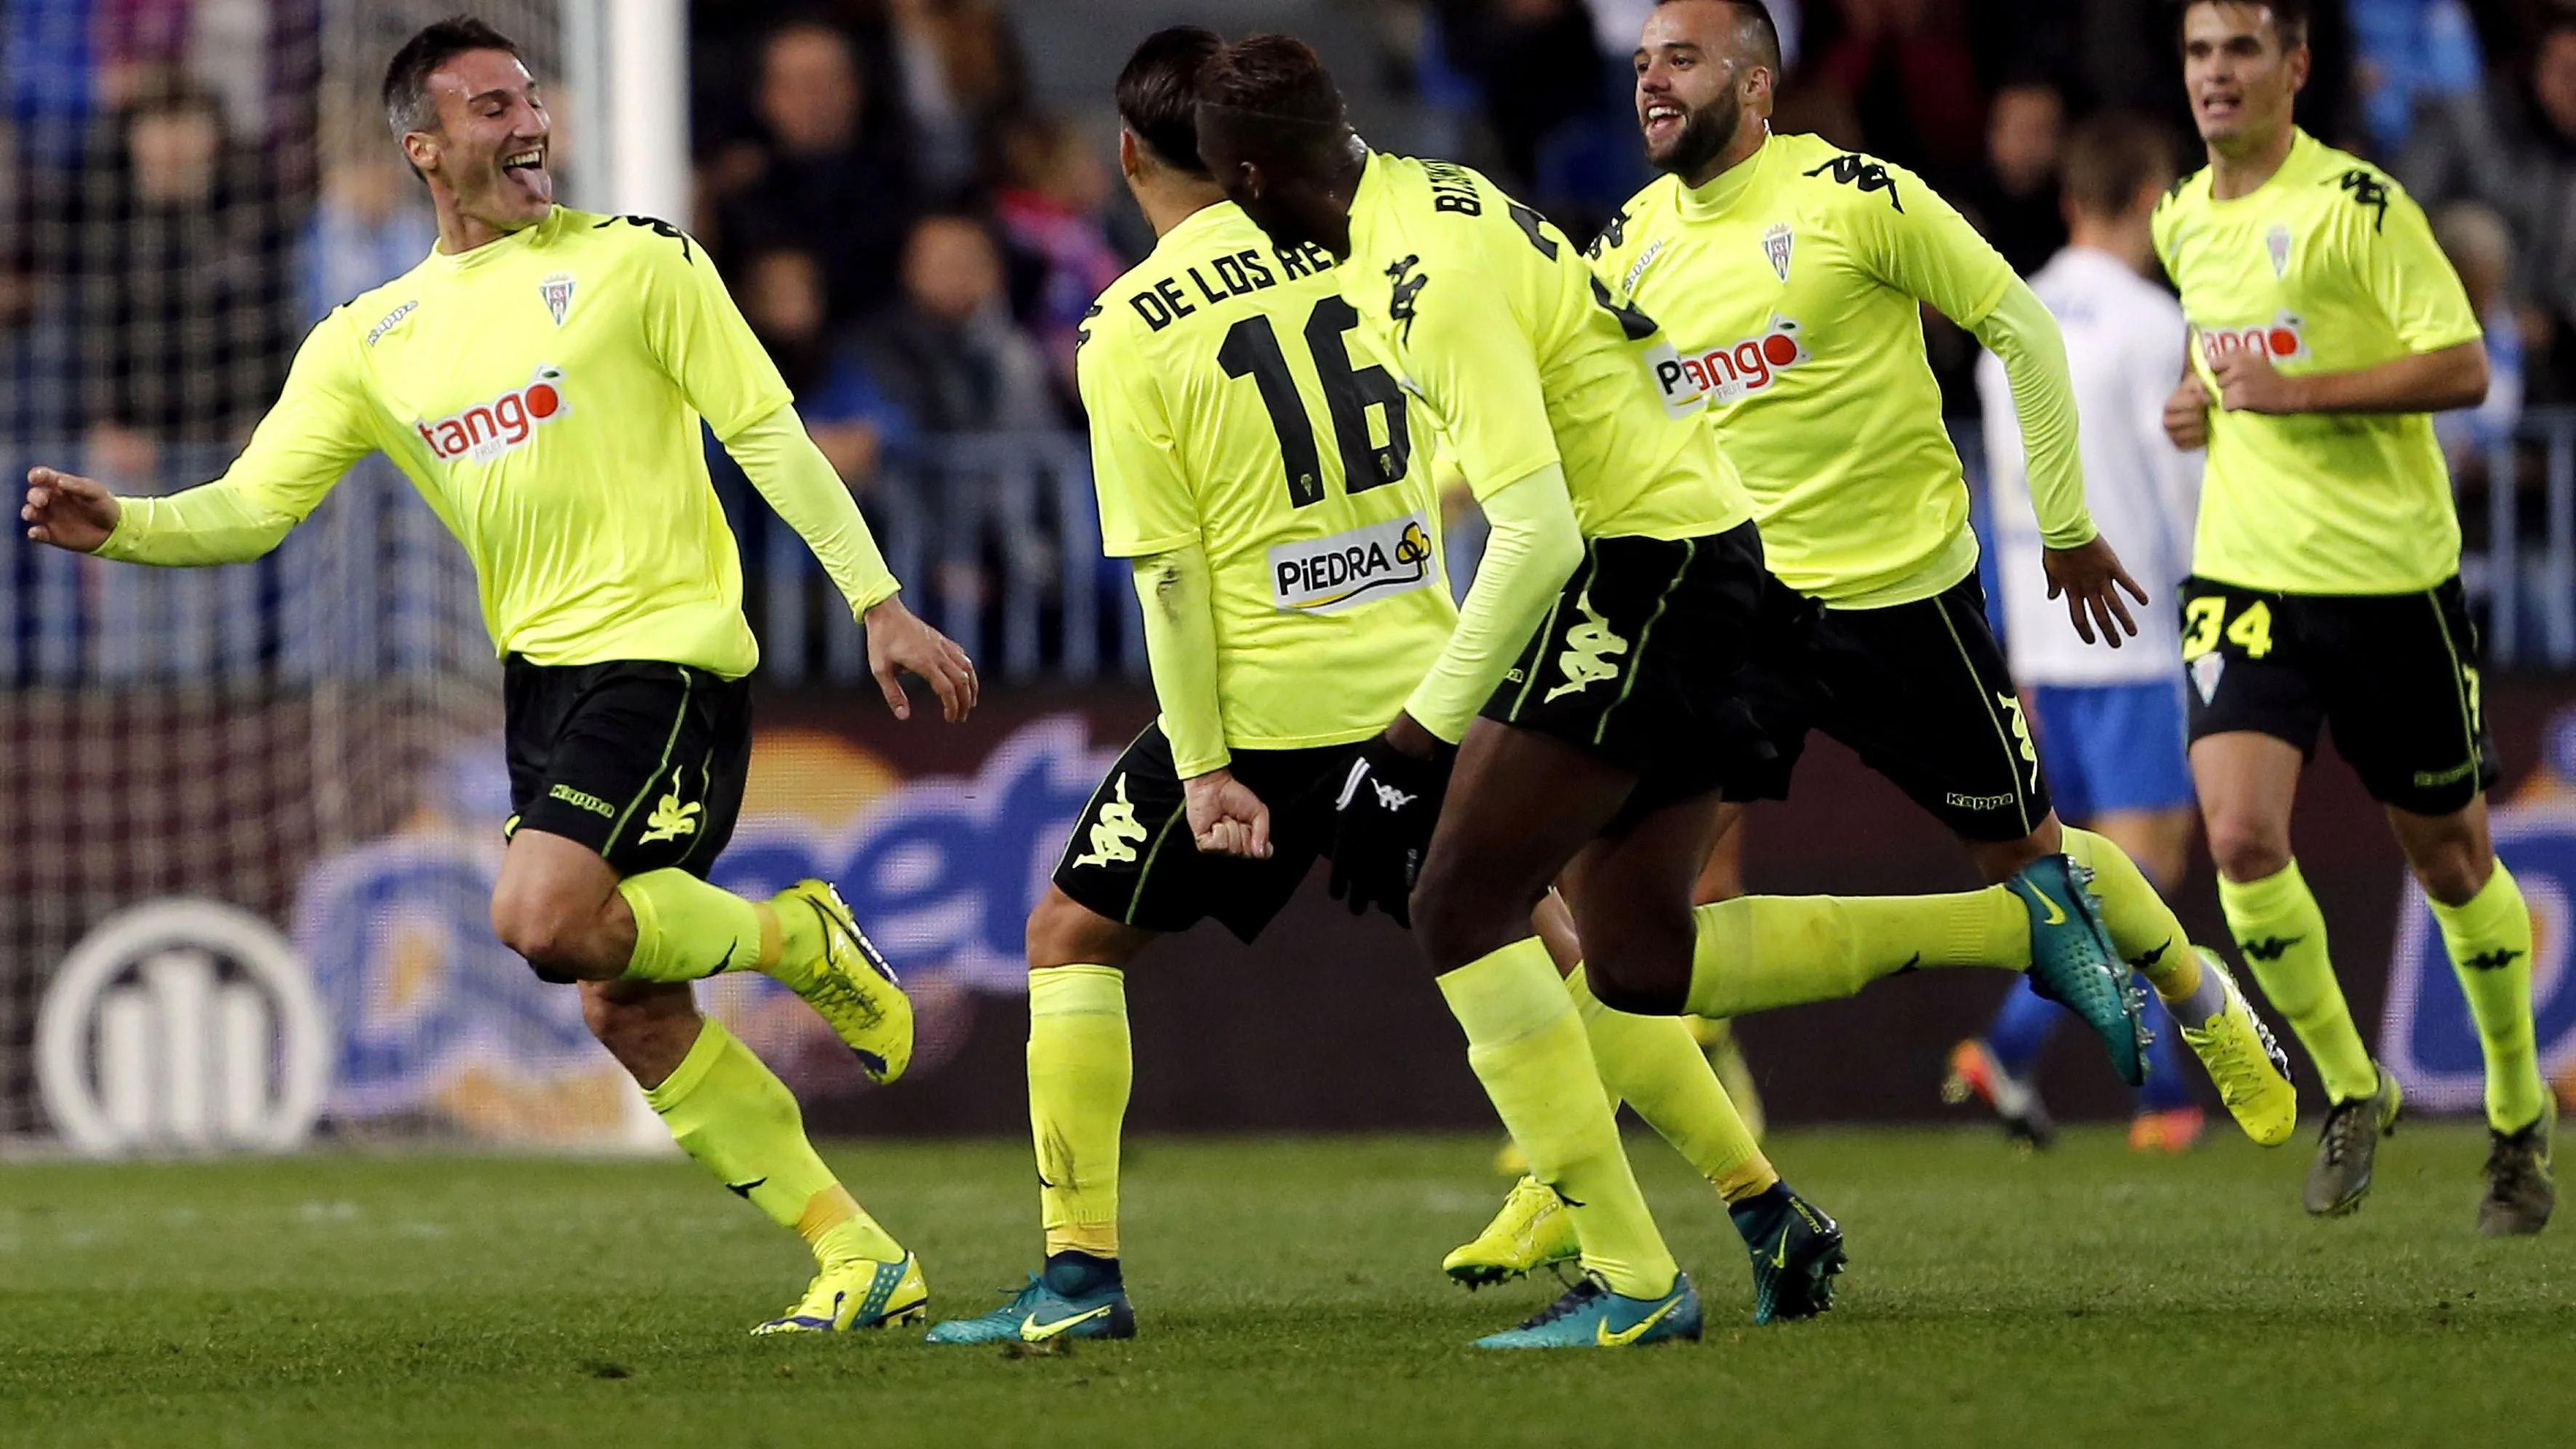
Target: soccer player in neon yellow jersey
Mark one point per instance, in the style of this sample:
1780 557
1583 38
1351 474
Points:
1271 484
2325 588
1600 645
541 377
1791 275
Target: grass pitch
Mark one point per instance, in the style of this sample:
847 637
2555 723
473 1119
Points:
1288 1293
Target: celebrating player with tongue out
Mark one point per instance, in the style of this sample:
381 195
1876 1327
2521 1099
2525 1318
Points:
541 377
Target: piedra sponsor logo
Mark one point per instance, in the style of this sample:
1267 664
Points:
485 431
1360 566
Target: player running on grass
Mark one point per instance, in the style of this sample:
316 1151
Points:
541 377
1272 487
2325 581
1793 275
1602 640
2109 725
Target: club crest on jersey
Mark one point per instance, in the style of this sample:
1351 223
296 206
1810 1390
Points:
485 431
557 290
1360 566
2285 340
1729 374
1776 244
2277 242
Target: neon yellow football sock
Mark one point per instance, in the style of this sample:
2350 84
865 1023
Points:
1756 953
2143 928
2283 935
1080 1070
1528 1048
1655 1063
2490 942
686 929
732 1114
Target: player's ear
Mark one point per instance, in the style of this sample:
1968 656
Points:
421 149
1131 157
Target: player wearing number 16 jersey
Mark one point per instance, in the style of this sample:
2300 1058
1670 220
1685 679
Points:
2325 588
1262 474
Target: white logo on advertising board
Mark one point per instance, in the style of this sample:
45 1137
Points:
182 1025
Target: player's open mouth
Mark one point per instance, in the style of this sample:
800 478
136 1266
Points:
2218 107
528 168
1663 118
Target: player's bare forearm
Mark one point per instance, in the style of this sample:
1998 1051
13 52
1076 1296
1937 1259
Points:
899 644
2419 382
68 511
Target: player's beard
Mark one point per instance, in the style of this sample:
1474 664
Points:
1704 137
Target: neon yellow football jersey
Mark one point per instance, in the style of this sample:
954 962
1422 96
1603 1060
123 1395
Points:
1790 286
1234 405
543 392
2330 267
1522 359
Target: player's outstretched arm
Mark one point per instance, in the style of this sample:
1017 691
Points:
67 510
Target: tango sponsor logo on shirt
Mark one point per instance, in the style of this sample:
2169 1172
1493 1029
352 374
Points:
485 431
2284 340
1320 575
1729 374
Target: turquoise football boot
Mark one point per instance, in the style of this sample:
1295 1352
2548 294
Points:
1040 1314
2073 963
1591 1316
1796 1252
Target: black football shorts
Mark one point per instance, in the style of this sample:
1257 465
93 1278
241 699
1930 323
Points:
642 762
2395 676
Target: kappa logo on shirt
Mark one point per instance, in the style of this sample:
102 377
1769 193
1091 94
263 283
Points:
392 320
2285 340
485 431
1729 374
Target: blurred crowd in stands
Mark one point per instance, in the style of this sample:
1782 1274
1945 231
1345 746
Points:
917 240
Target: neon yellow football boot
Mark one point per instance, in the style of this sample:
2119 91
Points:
849 985
2248 1067
1532 1231
857 1293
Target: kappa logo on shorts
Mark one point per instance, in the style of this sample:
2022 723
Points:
670 820
580 800
1115 835
1390 798
1588 646
1363 565
2021 733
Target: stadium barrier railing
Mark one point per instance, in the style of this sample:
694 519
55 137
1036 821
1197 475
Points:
996 535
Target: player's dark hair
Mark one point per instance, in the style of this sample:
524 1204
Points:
2112 157
2289 18
1280 83
1158 96
1754 18
408 106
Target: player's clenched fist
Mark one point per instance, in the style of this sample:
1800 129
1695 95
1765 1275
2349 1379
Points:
2187 414
1226 818
67 511
2248 383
